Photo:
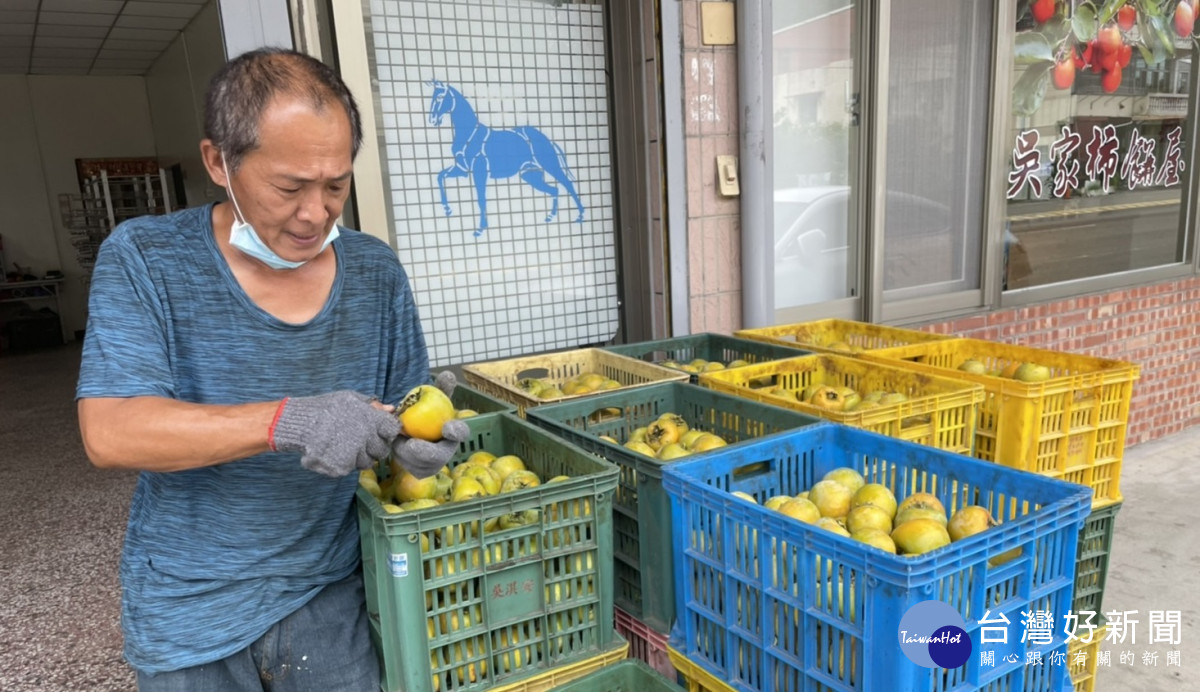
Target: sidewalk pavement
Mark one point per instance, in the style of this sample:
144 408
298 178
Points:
1155 566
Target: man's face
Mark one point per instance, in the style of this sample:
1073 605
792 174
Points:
292 188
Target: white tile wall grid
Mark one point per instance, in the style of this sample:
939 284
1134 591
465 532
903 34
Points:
524 283
89 36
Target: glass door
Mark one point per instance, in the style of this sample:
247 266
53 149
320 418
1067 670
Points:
816 108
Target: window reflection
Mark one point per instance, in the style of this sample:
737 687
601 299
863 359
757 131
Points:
1100 100
814 117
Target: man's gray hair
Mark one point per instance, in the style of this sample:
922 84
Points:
242 89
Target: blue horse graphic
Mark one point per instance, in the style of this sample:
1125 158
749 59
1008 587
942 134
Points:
484 153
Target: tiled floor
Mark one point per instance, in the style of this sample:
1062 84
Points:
61 526
62 522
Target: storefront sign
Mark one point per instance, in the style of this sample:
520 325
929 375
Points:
1140 167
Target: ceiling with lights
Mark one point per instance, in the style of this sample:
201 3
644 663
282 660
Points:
89 37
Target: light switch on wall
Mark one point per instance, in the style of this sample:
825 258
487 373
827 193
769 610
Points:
727 176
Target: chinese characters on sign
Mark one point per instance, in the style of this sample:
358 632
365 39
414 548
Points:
1165 626
1102 154
1066 169
1140 167
1168 175
1037 629
512 588
1073 625
1026 162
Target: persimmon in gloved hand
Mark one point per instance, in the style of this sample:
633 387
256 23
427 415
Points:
430 434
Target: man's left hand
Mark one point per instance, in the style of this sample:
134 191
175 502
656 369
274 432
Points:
447 382
423 458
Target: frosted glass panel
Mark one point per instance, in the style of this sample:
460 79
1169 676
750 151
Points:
938 98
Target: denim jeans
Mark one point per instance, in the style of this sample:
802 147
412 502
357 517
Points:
323 647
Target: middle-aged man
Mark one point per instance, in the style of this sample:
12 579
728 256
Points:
233 355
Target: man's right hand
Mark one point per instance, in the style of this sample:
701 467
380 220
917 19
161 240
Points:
335 433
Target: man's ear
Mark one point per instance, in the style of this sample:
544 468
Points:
211 155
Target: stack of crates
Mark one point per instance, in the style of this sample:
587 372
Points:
645 575
516 588
766 602
685 586
1071 425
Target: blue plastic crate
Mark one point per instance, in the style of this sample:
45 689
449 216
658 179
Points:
789 622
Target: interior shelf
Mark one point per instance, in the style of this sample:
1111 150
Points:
106 201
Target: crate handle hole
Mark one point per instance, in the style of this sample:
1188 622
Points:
917 421
533 373
752 470
603 415
763 382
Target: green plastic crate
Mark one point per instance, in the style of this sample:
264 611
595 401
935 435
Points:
1091 562
630 675
466 397
500 605
645 577
708 346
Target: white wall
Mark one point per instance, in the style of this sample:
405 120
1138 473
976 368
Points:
46 122
175 87
28 231
72 118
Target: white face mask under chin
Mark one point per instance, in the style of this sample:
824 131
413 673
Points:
243 236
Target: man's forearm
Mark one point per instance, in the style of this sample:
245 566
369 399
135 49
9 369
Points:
159 434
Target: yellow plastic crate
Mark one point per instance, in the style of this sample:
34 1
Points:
696 678
819 335
940 411
1071 426
499 378
1083 668
567 673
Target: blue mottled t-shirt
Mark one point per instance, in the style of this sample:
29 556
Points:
215 556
